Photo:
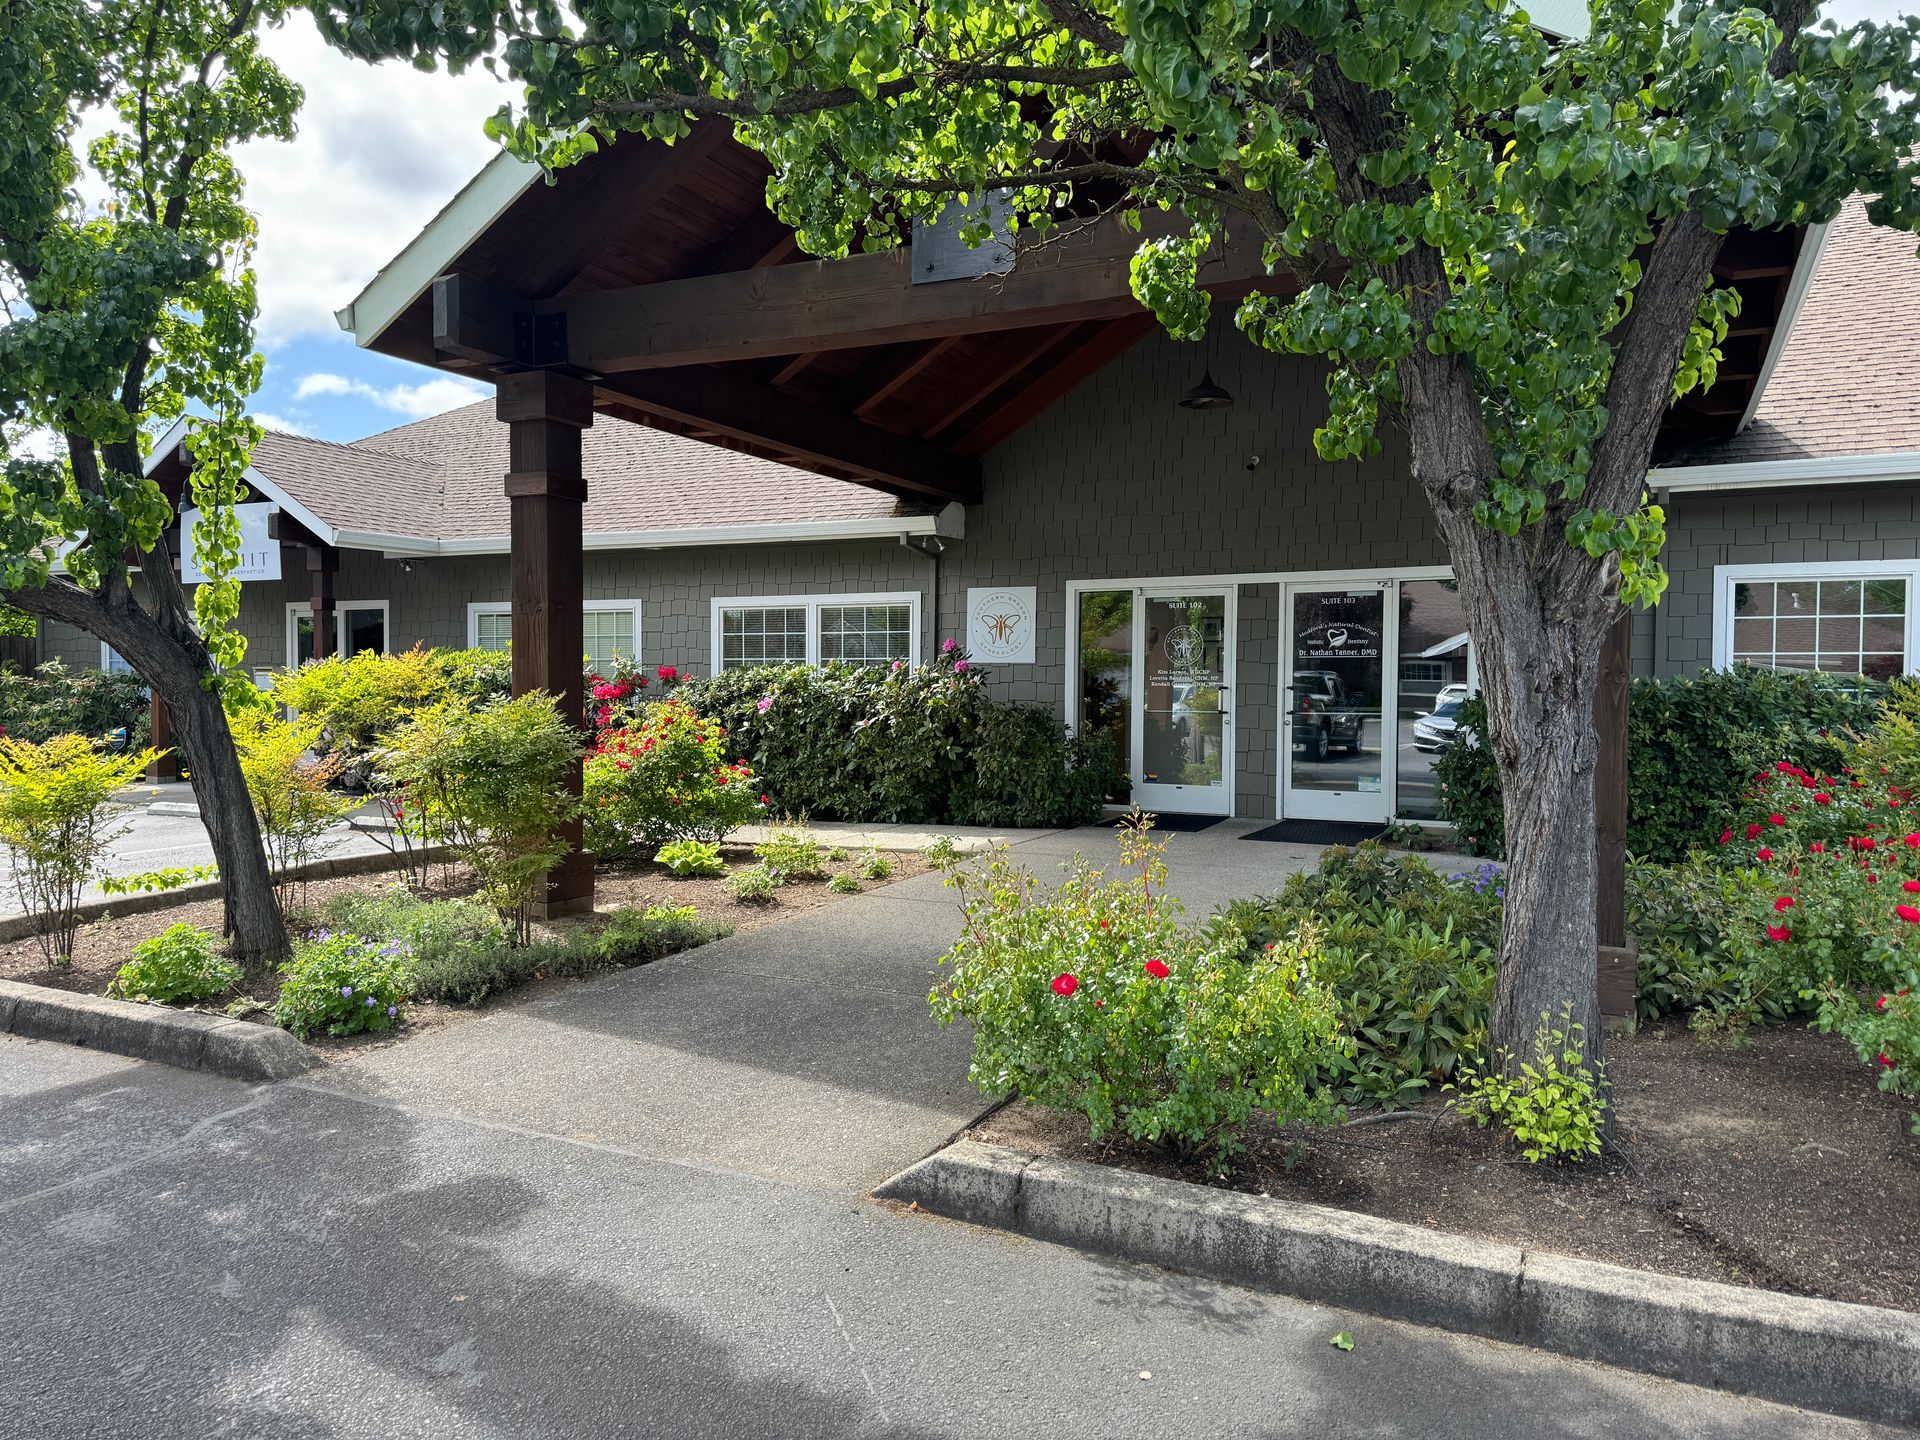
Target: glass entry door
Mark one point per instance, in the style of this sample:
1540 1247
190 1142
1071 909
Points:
1182 737
1334 689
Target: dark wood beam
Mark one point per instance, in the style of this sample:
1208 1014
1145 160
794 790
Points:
992 372
793 367
1089 355
831 305
627 182
904 375
712 401
475 319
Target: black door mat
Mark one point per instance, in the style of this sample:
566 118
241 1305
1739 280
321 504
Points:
1176 824
1319 832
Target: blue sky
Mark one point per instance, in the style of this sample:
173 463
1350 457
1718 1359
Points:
380 150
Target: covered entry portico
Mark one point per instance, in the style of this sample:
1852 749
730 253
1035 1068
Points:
650 282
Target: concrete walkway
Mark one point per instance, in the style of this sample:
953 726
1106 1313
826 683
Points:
802 1050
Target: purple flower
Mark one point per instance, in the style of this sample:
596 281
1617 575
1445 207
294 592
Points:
371 1002
346 992
392 1010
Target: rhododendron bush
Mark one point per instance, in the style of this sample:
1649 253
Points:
1100 997
663 775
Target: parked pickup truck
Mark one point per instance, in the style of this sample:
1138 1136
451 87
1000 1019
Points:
1324 715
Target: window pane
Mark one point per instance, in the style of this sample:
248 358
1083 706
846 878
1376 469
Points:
1853 625
866 634
493 629
1106 674
362 630
608 637
763 635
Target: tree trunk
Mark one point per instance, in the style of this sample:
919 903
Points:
179 669
252 909
1538 645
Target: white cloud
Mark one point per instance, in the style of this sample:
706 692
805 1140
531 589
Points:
280 423
380 149
430 397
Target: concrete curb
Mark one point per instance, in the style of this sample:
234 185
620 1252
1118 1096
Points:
1854 1360
184 1038
23 927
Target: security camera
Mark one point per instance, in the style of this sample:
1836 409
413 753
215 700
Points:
1253 462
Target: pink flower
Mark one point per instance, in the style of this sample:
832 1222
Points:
1157 969
764 704
949 645
960 667
666 672
1065 984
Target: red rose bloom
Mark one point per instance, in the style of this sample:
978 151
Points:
1763 853
1785 902
1823 798
1067 984
1885 1059
1753 831
1908 914
1818 847
1779 932
1726 835
1912 887
1776 819
1157 969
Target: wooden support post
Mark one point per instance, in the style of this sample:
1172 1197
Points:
545 412
323 563
1619 961
166 766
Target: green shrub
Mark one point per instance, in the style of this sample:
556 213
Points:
344 985
753 885
662 778
53 700
57 827
292 792
837 855
844 885
178 966
1554 1104
636 937
435 931
691 859
493 779
1885 1033
874 865
1698 951
792 854
1100 998
1028 772
1693 741
916 744
1408 956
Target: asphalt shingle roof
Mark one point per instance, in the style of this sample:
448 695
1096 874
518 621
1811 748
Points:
441 478
1848 379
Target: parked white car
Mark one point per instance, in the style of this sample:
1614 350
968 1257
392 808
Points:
1436 731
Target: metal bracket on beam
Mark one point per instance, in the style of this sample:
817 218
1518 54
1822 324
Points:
540 341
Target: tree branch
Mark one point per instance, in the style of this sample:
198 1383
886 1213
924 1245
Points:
813 101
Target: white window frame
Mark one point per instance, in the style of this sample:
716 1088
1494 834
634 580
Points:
298 608
813 604
1725 577
478 608
108 655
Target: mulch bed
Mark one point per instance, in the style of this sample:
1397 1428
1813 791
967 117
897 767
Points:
106 944
1778 1165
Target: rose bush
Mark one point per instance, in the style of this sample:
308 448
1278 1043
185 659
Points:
665 776
1100 998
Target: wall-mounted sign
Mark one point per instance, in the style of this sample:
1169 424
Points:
259 551
1000 624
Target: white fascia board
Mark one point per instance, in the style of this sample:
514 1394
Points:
1797 288
1770 474
483 200
680 537
280 496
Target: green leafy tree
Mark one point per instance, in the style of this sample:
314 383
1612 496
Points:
129 302
1504 243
